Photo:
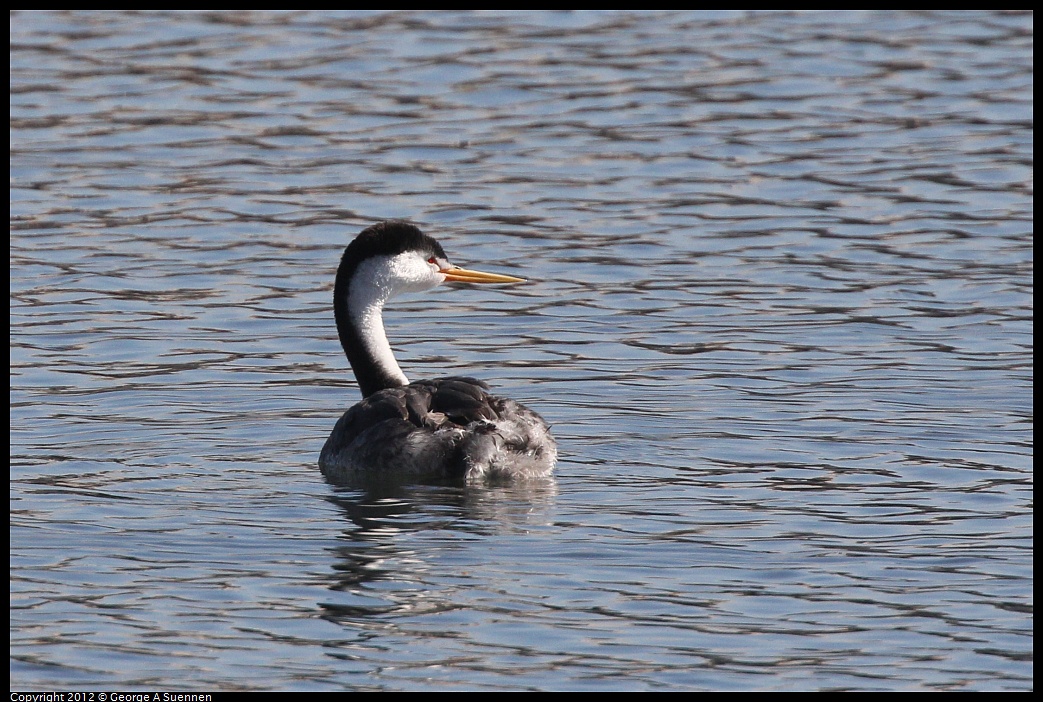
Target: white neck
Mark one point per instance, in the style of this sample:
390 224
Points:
366 299
375 280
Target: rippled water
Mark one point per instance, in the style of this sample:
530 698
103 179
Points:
780 317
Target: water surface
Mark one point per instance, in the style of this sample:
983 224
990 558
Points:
779 314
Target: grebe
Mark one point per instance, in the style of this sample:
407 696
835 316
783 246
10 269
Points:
447 427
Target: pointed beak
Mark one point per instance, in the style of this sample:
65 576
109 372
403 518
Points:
462 275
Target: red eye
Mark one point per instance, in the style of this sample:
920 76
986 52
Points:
432 260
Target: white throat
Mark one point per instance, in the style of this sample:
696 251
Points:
375 281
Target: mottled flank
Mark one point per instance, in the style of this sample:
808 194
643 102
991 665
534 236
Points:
448 427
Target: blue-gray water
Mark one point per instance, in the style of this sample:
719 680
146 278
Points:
779 314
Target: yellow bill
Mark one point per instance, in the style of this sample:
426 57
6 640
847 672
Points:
462 275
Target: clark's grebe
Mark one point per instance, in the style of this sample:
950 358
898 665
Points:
446 427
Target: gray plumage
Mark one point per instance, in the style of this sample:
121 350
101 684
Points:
449 427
